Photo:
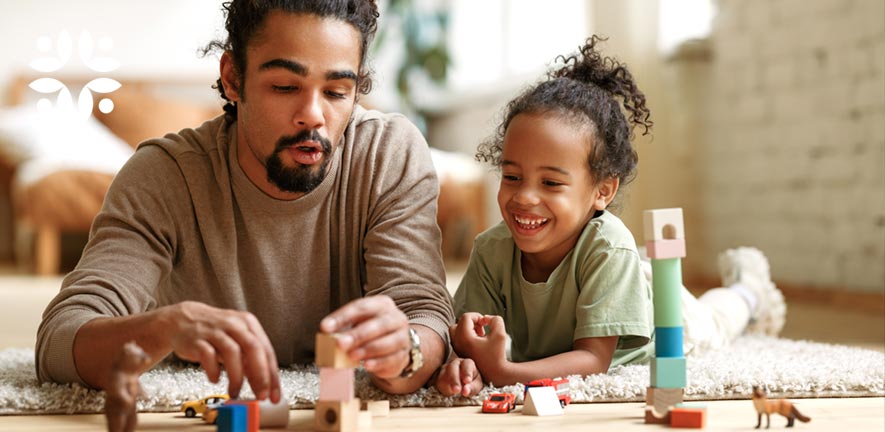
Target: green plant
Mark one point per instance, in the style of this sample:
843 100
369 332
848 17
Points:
422 34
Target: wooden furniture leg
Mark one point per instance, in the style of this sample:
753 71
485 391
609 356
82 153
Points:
47 250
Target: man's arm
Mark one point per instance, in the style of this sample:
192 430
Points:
403 259
194 332
110 298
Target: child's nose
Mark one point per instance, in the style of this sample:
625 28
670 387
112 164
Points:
526 197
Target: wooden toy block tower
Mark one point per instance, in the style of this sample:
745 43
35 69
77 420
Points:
665 243
337 410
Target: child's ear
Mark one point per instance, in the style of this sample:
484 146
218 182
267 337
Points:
605 192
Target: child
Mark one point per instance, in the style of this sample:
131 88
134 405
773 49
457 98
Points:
561 275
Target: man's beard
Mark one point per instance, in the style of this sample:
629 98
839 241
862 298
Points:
300 178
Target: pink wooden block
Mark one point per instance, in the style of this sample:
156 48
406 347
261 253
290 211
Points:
336 384
663 249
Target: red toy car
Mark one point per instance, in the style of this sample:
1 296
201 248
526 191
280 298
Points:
563 391
499 403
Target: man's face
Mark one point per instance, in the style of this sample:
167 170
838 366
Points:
297 97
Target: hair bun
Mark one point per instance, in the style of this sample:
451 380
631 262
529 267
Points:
590 67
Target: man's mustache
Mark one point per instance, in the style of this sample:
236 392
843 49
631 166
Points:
305 135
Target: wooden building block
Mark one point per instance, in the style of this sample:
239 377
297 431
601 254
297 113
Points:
337 416
663 249
253 413
541 401
668 342
336 384
663 399
653 416
364 421
663 224
668 372
688 417
274 415
329 355
232 418
378 408
666 283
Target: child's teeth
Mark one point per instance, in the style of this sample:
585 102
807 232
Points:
530 222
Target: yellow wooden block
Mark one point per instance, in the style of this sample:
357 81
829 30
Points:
328 354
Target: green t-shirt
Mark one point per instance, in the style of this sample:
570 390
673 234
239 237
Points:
597 290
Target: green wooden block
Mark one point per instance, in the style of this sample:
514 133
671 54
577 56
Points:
667 288
668 372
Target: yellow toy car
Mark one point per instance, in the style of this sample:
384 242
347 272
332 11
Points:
194 407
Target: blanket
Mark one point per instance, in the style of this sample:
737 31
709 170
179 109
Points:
788 368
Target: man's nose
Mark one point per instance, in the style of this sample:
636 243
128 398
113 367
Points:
310 112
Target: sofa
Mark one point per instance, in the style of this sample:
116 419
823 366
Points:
55 178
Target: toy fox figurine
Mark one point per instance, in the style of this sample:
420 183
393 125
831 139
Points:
779 406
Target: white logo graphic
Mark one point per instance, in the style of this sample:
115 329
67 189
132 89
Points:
63 49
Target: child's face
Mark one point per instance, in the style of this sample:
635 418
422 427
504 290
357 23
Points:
547 193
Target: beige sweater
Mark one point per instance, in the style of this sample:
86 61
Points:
182 221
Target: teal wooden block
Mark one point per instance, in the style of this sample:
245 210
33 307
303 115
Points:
668 372
232 418
668 342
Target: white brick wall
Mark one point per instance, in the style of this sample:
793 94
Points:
796 157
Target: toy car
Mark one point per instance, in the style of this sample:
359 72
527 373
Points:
499 403
194 407
559 384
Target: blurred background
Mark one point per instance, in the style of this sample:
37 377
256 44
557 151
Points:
769 116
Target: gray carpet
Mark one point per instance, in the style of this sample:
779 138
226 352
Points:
788 368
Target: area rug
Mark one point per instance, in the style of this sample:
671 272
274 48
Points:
788 368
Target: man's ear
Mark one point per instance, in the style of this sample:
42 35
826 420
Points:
230 77
605 192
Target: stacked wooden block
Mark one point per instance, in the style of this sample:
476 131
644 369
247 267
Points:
337 410
665 243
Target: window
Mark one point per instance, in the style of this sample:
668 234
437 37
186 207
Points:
494 40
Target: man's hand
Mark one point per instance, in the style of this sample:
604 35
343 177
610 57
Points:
372 330
488 350
459 376
234 339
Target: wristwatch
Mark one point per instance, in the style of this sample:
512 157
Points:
416 359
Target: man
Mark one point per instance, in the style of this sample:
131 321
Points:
297 211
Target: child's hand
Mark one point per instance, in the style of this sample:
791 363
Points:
488 350
459 376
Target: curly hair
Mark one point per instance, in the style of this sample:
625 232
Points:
590 90
245 19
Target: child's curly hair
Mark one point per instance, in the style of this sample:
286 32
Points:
586 89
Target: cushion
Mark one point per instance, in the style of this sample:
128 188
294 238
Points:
40 143
139 115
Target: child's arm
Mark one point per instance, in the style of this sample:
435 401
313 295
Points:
588 356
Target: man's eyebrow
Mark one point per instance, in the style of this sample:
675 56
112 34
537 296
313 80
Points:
342 74
290 65
300 69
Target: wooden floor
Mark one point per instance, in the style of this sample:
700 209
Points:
854 415
22 300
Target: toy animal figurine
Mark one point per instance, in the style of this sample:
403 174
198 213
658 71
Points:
123 388
779 406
